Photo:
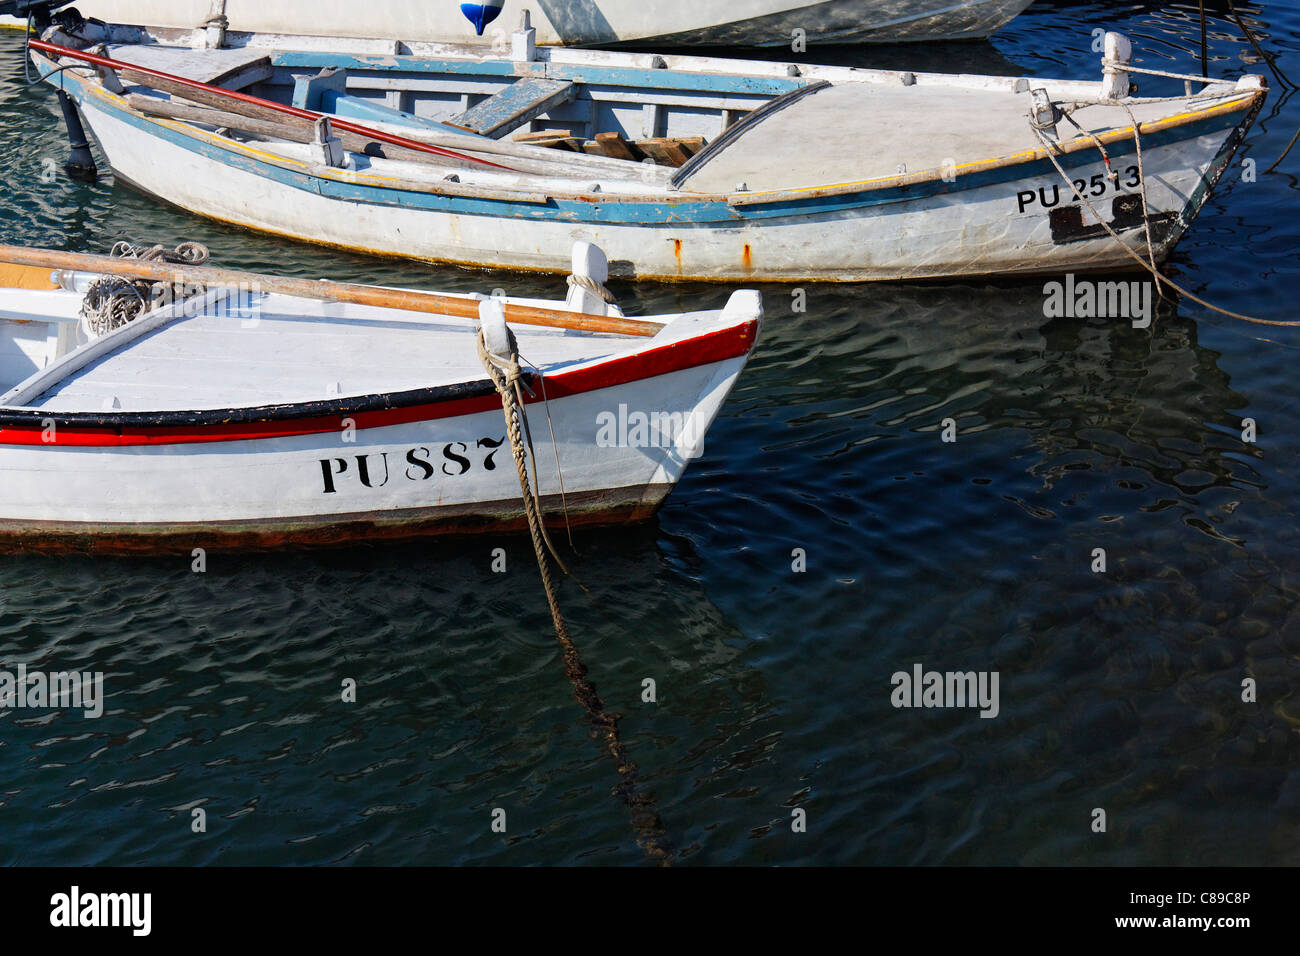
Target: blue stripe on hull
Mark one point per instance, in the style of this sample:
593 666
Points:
631 77
685 212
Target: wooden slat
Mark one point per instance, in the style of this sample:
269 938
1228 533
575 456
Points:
551 139
514 106
615 146
294 131
171 109
670 151
406 300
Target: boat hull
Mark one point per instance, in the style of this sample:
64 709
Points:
387 474
677 23
976 226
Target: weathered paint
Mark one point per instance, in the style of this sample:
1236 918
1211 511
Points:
572 510
621 76
872 230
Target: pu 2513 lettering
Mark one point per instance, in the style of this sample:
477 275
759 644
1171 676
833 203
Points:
1093 188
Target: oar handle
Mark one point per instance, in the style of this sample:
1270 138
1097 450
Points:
320 290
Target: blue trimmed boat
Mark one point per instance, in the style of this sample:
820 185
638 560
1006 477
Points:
679 167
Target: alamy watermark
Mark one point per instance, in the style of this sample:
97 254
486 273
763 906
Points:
74 909
637 429
1088 299
922 688
39 690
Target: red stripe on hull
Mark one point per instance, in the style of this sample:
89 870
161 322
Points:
704 349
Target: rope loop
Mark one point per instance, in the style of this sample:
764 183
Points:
592 286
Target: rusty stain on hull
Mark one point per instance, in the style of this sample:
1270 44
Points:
585 510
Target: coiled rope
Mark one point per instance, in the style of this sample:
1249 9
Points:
112 301
507 378
1149 266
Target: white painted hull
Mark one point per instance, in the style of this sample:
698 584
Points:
275 488
973 232
198 426
591 22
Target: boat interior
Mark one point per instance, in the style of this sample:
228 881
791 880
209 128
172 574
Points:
243 347
620 123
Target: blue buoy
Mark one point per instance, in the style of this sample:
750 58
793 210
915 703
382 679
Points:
481 14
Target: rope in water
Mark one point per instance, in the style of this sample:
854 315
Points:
506 376
1149 267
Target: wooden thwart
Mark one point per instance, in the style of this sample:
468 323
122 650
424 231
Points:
320 290
551 139
514 106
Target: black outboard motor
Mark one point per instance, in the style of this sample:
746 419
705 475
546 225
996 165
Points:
81 163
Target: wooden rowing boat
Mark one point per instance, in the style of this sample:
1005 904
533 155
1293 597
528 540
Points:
788 173
240 416
666 23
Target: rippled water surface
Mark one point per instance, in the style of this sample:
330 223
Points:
1119 690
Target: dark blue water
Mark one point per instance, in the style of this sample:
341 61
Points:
1119 691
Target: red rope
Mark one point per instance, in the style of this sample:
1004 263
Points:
344 125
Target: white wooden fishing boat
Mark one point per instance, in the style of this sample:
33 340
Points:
665 23
243 417
786 172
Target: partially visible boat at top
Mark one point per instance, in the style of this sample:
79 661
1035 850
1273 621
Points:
663 23
679 167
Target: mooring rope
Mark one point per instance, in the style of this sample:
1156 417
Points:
1149 267
1142 191
592 286
1111 67
506 377
110 303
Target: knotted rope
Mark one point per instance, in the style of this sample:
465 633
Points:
592 286
507 378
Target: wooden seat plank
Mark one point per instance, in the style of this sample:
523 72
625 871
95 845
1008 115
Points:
517 104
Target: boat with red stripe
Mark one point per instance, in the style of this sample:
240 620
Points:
276 412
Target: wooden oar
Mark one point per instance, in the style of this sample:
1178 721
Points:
428 302
253 106
275 128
